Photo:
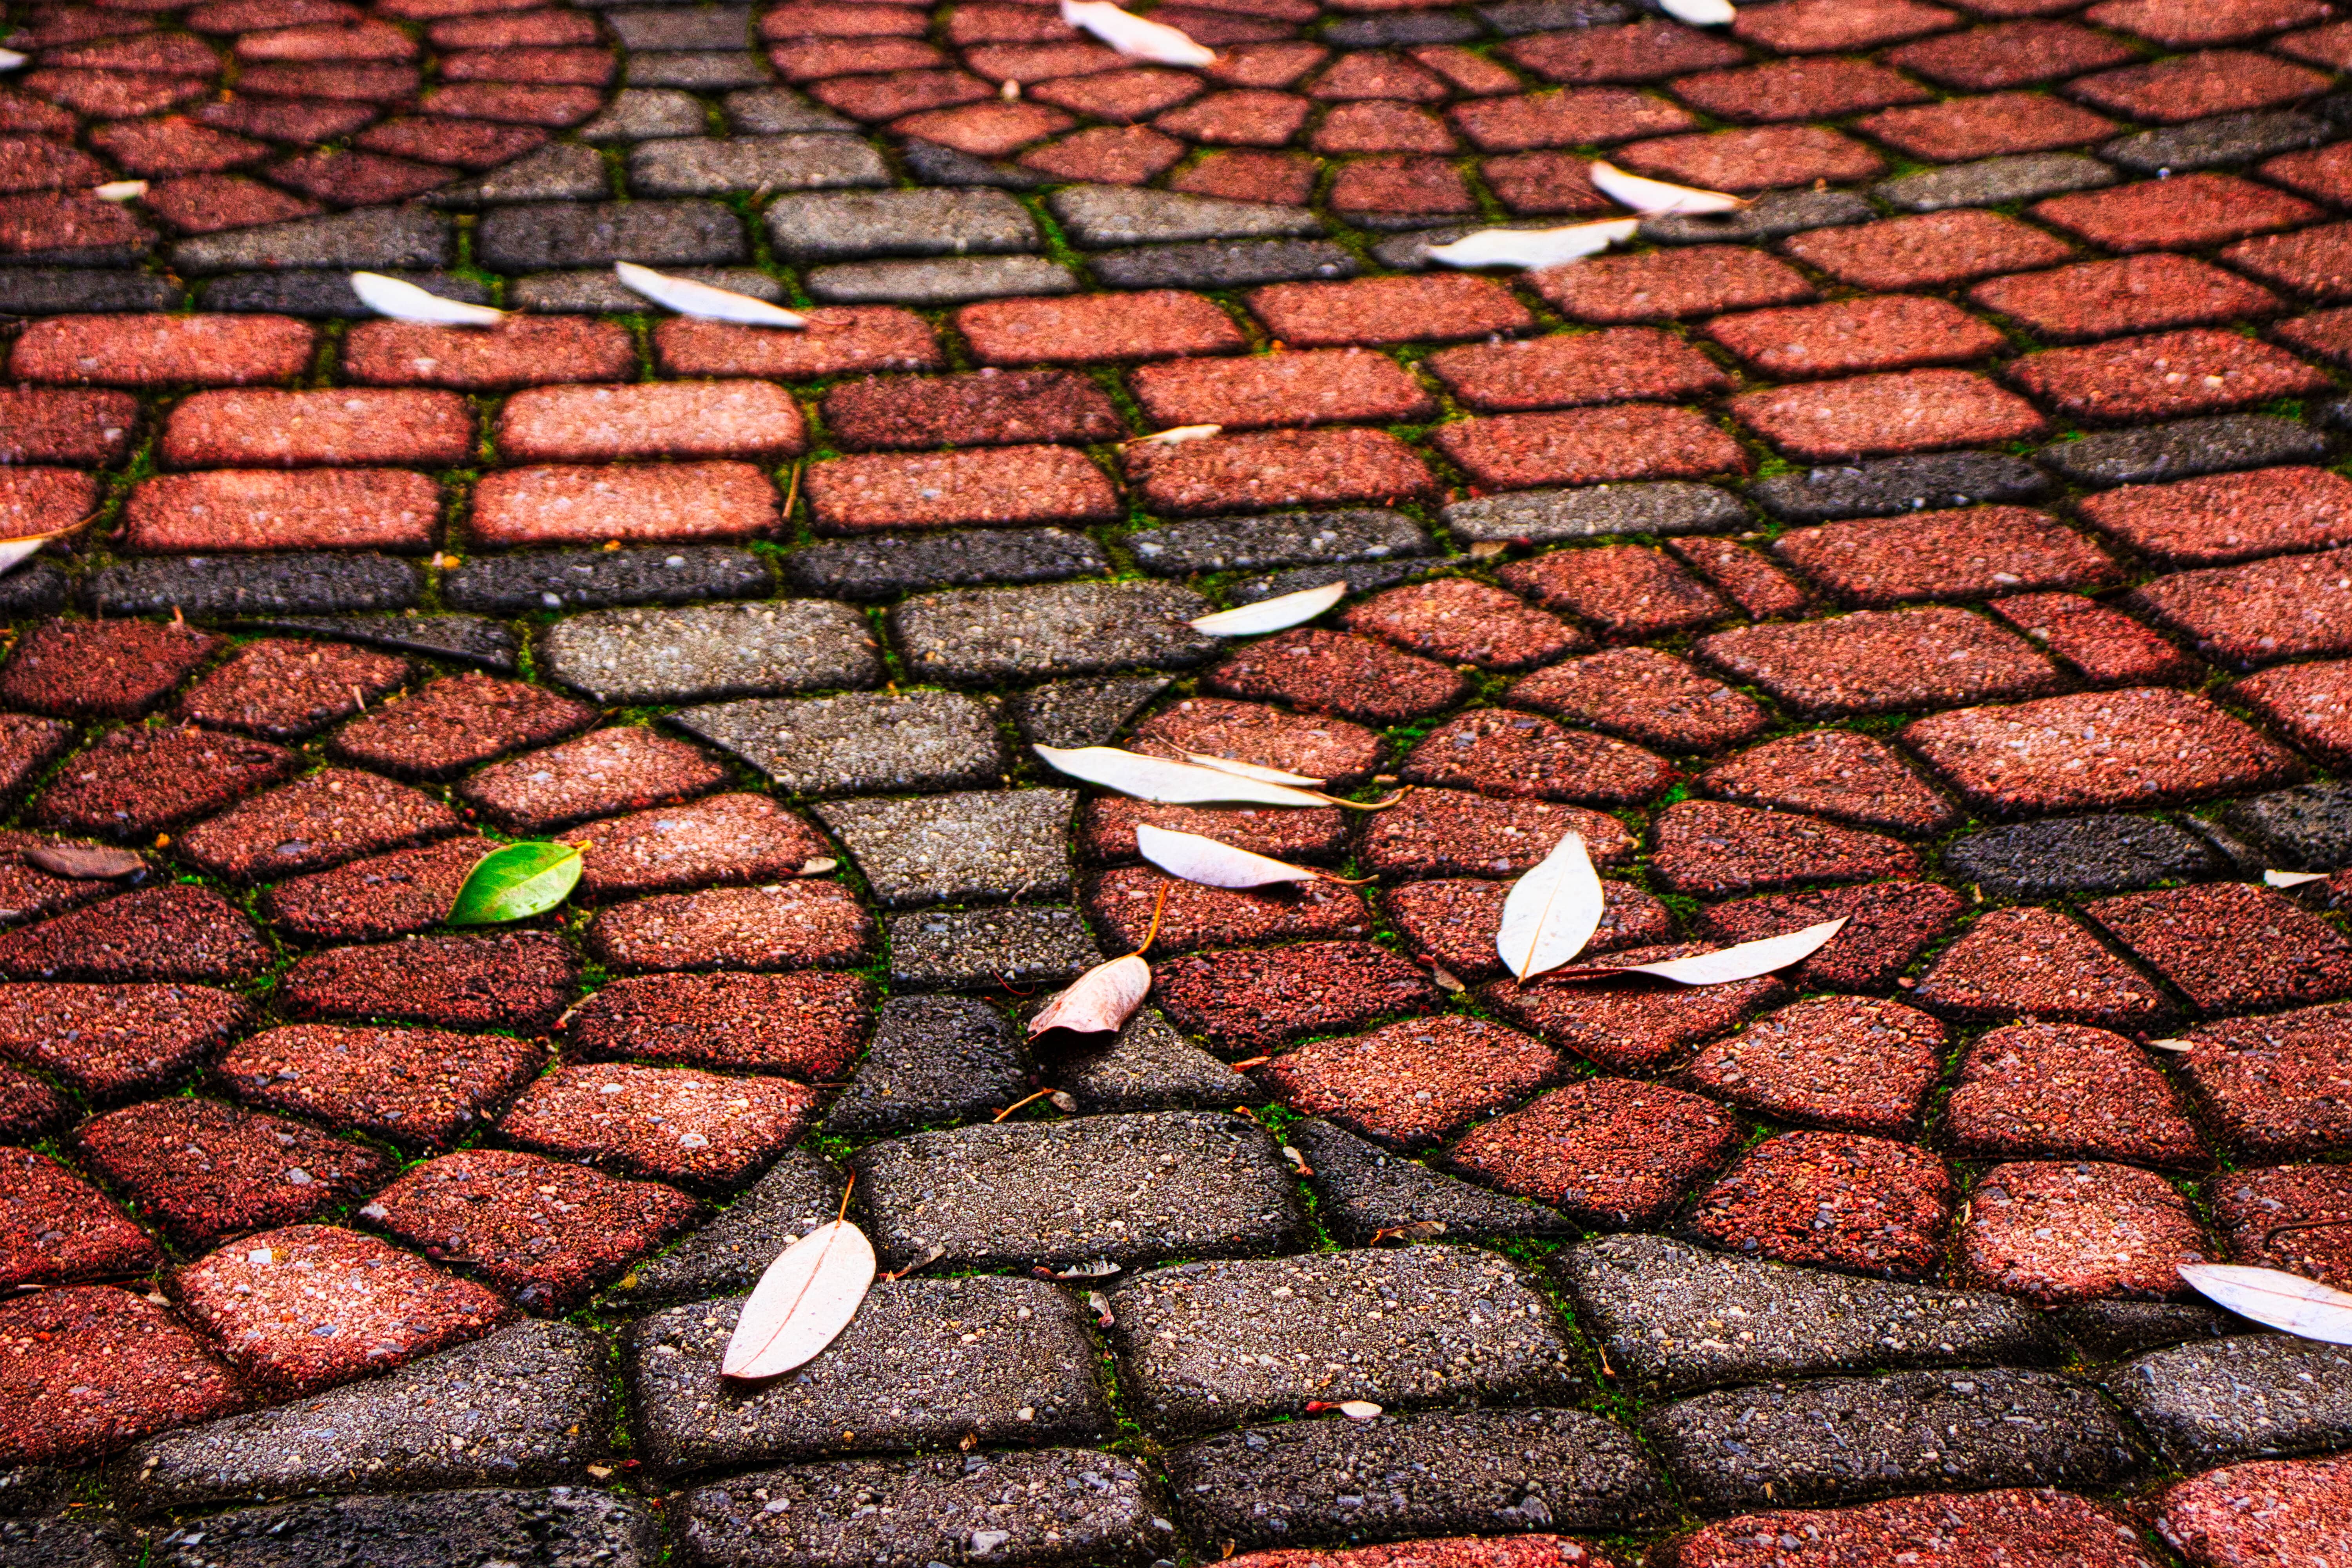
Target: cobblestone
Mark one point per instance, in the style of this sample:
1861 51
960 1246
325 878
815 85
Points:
686 655
534 1399
706 572
1680 1318
1094 1187
1839 1440
1435 1474
2255 1398
1007 1359
1102 1509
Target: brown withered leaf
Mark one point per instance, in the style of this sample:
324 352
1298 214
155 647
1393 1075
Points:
84 862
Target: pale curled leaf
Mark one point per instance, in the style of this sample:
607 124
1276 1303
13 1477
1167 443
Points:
1098 1002
1535 246
405 301
801 1303
1176 435
1242 770
2305 1308
1358 1409
1275 615
1167 782
1135 37
10 60
1657 198
1551 912
1700 13
15 553
1744 961
84 862
119 190
2292 878
516 882
706 302
1198 858
817 866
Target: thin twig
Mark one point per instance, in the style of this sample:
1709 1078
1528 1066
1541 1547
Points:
1152 933
1019 1103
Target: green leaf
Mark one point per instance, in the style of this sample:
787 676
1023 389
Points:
515 882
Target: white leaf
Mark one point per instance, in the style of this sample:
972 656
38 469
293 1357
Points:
1535 246
1252 770
1745 962
1358 1409
10 60
1010 92
1176 435
1551 912
119 190
1098 1002
2292 878
1651 198
2301 1307
1278 614
801 1303
15 553
1213 865
1700 13
407 302
1134 37
1168 782
704 300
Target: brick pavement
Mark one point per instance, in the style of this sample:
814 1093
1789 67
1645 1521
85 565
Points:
1951 540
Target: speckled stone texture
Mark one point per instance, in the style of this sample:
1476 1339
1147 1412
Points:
1441 1473
1840 1439
1006 1358
1210 1185
1409 1343
535 1401
1951 540
1678 1317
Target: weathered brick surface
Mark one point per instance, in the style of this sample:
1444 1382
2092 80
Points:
672 504
1948 541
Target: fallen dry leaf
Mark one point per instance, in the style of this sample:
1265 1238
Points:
1658 198
1278 614
1535 246
84 862
1167 782
2288 1302
1196 857
703 301
801 1303
1551 912
1135 37
403 301
1098 1002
